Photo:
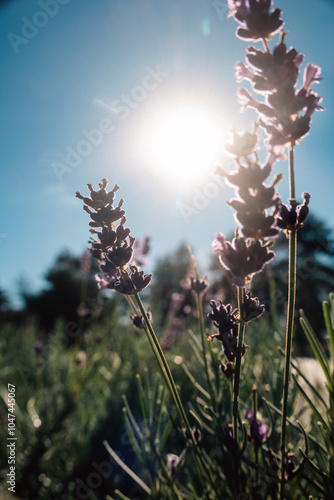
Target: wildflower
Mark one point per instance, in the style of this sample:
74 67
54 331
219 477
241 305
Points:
81 358
195 433
249 176
243 257
198 285
222 316
257 431
273 467
226 321
290 219
38 348
252 307
311 75
272 72
113 247
242 144
289 465
141 249
286 111
255 18
172 462
227 370
85 262
138 320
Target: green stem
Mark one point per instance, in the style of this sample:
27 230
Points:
203 339
256 448
165 370
292 187
241 332
290 316
288 346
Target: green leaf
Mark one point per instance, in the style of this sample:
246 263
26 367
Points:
119 496
194 382
127 469
311 386
132 437
312 406
329 324
316 468
131 417
141 396
316 347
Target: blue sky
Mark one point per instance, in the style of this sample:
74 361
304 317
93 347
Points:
85 85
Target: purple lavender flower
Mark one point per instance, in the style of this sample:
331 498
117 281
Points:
286 111
100 198
257 431
199 285
138 321
226 321
172 462
252 307
139 279
255 18
113 247
289 466
243 144
249 176
243 257
290 219
141 249
134 282
227 370
271 72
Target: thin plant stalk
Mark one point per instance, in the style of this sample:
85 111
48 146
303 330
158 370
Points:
203 340
237 368
290 321
164 367
256 448
241 331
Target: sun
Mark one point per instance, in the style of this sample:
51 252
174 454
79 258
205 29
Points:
183 144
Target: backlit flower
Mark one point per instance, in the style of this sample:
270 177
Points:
255 18
244 257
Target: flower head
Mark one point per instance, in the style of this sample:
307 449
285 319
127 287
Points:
290 219
257 431
257 22
252 307
113 247
227 323
243 257
138 321
243 144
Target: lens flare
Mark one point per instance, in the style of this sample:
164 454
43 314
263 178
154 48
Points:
183 144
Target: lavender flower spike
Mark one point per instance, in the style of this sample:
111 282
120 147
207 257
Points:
255 19
243 257
113 247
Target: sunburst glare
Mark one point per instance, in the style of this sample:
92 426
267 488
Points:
183 144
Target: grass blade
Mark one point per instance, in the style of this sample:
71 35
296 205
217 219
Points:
329 325
316 347
312 406
120 462
313 389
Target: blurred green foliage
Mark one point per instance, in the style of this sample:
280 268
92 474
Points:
72 353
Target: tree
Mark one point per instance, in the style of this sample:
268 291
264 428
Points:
71 295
